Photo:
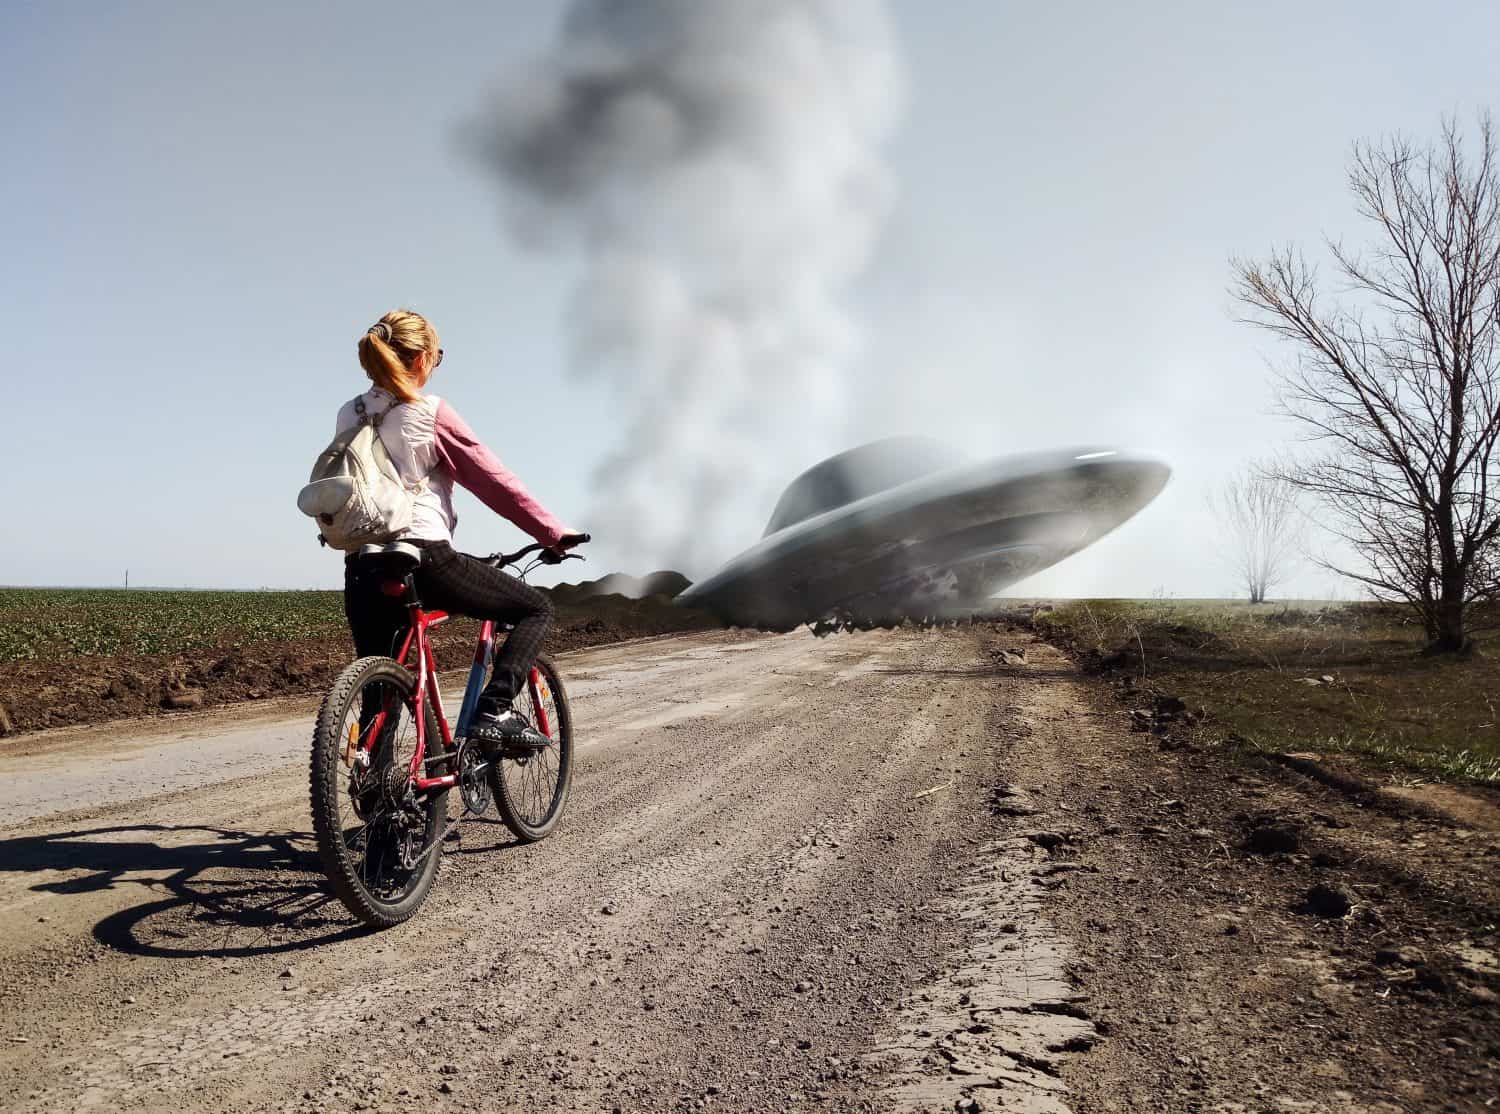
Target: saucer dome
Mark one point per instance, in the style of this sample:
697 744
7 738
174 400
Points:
858 473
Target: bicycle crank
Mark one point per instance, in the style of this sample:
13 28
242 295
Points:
473 778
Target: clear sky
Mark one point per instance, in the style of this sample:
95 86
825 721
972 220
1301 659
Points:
204 204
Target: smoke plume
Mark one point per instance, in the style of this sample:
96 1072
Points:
717 167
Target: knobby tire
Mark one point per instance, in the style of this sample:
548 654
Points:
516 796
330 780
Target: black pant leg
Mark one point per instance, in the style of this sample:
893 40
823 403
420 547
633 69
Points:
375 619
464 585
376 622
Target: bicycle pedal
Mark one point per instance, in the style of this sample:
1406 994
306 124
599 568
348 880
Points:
523 749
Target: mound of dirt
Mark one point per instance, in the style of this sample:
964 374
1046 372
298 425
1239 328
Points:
665 583
91 689
35 694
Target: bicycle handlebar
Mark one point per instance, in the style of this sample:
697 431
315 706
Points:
502 559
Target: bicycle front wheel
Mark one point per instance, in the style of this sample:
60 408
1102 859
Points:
379 841
531 789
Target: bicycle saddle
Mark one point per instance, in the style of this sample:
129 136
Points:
399 558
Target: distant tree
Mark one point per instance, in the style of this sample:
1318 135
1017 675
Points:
1399 382
1263 529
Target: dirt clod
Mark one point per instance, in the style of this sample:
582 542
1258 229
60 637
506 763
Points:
182 699
1324 900
1396 956
1166 706
1048 840
1273 836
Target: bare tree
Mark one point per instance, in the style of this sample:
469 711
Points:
1399 383
1263 529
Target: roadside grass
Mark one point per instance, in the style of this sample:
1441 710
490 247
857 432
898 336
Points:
1344 678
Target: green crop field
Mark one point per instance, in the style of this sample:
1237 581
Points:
49 623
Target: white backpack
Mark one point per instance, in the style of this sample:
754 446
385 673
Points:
355 492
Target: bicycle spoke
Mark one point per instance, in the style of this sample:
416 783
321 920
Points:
535 782
532 787
545 782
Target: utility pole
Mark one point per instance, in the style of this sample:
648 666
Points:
127 578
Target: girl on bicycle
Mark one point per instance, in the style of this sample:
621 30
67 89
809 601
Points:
432 448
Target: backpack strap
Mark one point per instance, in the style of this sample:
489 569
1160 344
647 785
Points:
373 419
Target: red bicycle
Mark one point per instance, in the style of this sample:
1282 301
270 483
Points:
384 757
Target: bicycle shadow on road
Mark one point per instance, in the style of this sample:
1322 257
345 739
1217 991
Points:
209 892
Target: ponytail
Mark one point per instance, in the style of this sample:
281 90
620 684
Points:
389 348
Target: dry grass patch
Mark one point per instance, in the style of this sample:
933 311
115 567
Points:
1346 679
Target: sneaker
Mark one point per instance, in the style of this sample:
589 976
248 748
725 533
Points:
507 732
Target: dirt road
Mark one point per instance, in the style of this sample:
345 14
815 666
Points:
887 870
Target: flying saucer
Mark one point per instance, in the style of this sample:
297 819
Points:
906 529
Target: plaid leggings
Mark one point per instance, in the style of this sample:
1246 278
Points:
464 585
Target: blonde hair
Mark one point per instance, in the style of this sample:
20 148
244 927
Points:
389 348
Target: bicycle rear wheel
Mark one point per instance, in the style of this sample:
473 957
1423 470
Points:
380 843
532 789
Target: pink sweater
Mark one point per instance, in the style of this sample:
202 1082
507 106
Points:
432 446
